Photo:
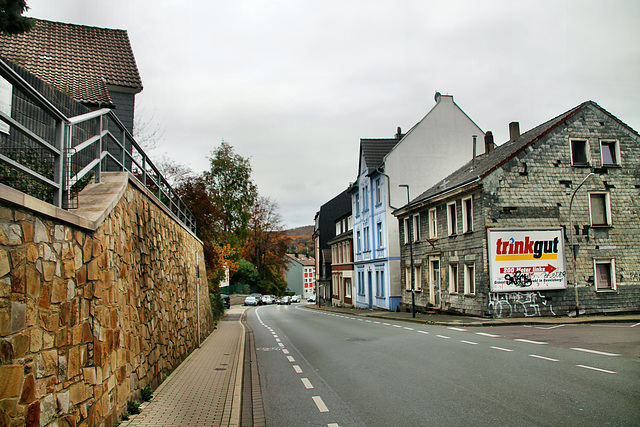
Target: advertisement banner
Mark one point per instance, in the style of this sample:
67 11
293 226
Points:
526 259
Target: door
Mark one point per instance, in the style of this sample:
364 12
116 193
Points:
434 282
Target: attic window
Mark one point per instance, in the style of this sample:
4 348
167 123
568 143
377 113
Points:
610 152
579 152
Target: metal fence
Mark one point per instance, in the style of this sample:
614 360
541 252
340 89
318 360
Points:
48 155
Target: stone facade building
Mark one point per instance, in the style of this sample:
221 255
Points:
575 175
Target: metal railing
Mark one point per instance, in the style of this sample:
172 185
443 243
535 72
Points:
49 154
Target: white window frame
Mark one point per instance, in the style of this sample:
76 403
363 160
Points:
357 203
452 219
365 235
616 152
380 235
417 272
612 271
347 289
416 227
358 242
470 279
407 281
406 232
378 192
453 279
607 208
586 149
467 217
433 223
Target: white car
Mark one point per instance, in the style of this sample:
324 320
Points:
295 298
311 298
266 299
250 301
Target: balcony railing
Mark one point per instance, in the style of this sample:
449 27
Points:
48 155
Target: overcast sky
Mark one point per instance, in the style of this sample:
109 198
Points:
294 85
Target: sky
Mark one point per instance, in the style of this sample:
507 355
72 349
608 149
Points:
293 85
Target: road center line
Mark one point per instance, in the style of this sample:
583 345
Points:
443 336
601 353
530 341
501 349
387 324
307 383
285 351
457 329
291 359
484 334
544 358
409 329
280 344
469 342
320 404
596 369
423 332
297 369
396 326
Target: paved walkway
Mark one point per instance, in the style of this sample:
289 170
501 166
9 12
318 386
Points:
206 389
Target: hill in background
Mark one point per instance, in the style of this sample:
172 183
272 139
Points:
301 240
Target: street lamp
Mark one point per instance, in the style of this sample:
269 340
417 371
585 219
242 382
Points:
413 291
574 246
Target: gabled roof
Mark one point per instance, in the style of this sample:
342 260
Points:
373 151
484 164
78 60
301 259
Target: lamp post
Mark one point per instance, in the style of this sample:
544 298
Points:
574 246
413 291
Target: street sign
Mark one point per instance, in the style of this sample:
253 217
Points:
526 259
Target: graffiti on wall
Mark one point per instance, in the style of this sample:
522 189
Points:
508 304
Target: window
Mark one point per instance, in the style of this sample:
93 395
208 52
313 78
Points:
366 239
357 202
407 278
347 287
378 195
358 242
416 228
453 278
605 274
360 282
380 241
610 152
417 277
406 230
579 152
467 215
380 283
365 205
338 232
452 220
350 223
600 209
469 279
433 224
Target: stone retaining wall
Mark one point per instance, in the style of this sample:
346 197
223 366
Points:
88 317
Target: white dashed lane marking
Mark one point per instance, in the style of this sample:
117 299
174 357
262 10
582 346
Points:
457 329
530 341
469 342
543 358
297 369
484 334
320 404
500 348
601 353
291 359
596 369
307 383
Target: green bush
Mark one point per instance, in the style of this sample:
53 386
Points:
133 408
217 306
146 393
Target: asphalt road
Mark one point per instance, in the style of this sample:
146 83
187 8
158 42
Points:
327 369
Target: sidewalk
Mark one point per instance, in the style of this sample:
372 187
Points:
462 320
205 389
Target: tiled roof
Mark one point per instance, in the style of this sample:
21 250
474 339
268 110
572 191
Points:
301 259
374 150
75 59
487 163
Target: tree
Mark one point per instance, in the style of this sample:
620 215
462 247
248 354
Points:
229 183
210 222
11 19
246 274
267 243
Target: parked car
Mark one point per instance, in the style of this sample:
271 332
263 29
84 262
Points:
226 300
250 300
258 297
311 298
295 298
266 299
285 300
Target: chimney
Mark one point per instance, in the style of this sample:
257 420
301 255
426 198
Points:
488 142
514 131
475 138
399 133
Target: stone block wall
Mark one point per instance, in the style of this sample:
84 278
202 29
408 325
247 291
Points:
88 317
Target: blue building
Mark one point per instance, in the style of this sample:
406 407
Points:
436 146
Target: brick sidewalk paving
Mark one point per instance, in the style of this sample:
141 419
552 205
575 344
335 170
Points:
205 390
